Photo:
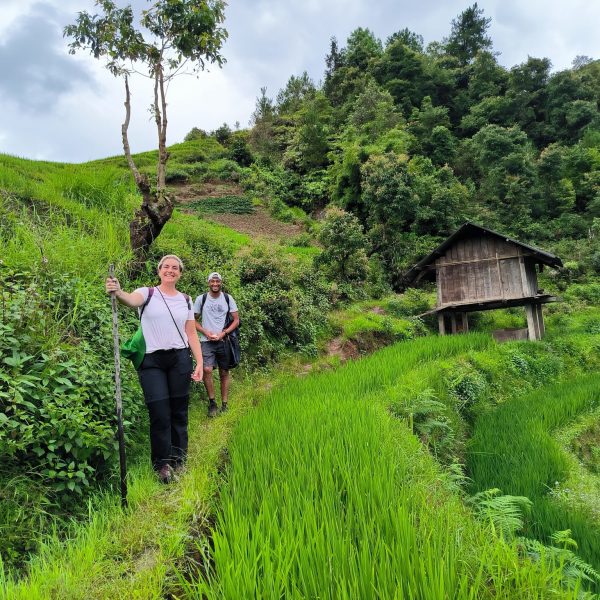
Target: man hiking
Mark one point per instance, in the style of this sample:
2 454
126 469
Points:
211 311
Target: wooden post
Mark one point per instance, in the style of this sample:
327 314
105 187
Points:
540 320
441 323
465 322
453 321
532 322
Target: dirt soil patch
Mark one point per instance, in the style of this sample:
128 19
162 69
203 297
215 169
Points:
258 224
345 349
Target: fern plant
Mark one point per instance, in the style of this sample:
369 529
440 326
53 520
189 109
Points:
425 415
573 568
503 512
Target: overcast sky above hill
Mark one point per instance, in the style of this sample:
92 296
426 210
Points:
64 108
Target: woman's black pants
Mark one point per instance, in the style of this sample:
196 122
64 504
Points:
165 379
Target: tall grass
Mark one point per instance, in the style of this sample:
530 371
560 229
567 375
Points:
327 496
71 217
512 449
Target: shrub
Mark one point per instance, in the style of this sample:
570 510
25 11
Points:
467 387
195 134
57 399
223 168
302 240
412 303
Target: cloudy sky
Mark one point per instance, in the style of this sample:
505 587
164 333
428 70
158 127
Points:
58 107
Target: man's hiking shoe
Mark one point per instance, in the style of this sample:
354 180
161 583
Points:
224 407
165 475
212 409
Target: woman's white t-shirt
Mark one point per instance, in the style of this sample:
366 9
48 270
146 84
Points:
158 326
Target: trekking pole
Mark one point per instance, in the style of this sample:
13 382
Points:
118 401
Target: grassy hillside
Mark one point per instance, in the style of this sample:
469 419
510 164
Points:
339 483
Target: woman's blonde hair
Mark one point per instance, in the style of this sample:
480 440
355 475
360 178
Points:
174 257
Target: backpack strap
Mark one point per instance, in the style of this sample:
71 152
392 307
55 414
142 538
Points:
189 301
150 292
202 303
227 300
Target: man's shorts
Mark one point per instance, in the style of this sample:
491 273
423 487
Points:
215 353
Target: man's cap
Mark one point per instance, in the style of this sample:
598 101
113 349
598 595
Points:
214 275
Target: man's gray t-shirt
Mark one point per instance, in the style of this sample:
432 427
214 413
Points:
214 313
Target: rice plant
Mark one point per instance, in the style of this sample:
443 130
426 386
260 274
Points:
512 449
328 496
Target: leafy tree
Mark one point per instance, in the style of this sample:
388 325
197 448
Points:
527 86
223 134
424 120
468 35
262 137
344 255
570 106
239 150
402 71
486 77
582 167
415 196
505 168
297 90
374 112
345 174
195 133
309 147
495 110
414 41
441 146
172 34
361 48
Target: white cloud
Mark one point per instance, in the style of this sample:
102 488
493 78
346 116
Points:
270 40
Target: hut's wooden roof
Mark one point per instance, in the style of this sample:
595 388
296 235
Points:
469 230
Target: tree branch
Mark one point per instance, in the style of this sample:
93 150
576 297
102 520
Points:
140 180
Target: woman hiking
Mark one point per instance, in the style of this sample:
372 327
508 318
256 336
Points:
165 374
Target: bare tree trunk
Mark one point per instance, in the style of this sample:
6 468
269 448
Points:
156 208
141 181
161 125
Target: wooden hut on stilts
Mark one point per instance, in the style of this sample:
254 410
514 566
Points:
479 269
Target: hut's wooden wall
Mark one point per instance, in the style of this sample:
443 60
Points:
484 268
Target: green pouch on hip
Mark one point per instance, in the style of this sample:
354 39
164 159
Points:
135 348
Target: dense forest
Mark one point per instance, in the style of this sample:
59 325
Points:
413 141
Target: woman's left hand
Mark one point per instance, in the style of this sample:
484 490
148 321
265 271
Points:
197 374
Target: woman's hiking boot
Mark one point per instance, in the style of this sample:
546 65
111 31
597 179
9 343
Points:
224 407
165 474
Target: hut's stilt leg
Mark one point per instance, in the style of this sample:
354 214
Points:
465 322
441 323
453 322
540 320
532 322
